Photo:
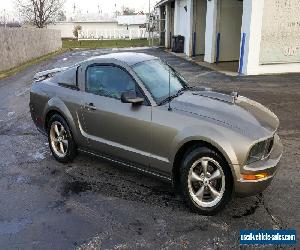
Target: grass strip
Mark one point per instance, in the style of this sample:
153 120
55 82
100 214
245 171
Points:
93 44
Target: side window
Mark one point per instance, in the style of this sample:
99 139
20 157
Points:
108 81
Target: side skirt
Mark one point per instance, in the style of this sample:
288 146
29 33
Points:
127 164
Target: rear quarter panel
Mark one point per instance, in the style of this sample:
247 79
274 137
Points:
38 101
48 97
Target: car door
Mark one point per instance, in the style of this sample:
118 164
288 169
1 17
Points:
113 128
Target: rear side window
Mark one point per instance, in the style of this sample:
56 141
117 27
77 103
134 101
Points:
107 80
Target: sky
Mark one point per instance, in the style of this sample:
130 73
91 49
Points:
90 6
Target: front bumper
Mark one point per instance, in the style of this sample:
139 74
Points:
269 166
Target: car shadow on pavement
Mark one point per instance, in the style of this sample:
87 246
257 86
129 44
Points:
91 174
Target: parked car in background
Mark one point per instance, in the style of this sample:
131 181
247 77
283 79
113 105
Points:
134 110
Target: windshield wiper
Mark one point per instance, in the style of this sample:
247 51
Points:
170 98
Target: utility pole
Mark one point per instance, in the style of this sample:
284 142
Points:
4 18
149 25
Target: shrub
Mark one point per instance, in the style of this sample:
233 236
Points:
76 30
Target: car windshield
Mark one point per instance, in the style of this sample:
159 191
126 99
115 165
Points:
155 76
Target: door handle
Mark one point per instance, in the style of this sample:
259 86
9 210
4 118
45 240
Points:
89 106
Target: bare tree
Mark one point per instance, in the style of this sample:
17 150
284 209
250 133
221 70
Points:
40 12
61 16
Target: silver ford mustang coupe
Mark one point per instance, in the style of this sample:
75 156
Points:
136 111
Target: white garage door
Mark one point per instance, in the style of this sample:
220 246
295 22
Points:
230 22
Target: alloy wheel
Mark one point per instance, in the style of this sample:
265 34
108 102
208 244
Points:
58 139
206 182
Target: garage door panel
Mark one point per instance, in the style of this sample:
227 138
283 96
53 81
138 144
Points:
230 23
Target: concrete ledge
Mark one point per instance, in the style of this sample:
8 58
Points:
19 45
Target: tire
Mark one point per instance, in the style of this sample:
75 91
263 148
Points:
207 193
61 142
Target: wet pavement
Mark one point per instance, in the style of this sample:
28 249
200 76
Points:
91 204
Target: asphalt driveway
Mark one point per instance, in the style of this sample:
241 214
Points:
90 204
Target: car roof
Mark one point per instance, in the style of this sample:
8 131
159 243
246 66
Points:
129 58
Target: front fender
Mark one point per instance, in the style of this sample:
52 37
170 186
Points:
218 138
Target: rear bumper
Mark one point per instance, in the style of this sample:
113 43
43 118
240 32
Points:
267 166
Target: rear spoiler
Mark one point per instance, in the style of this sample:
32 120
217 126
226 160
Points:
40 76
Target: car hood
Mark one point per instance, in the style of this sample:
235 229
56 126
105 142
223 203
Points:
237 112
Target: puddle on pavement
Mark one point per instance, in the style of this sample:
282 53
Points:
250 210
75 187
55 172
119 185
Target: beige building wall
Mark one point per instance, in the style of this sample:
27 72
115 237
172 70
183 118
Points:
106 29
66 28
280 34
18 45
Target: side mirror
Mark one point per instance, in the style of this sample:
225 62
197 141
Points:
130 97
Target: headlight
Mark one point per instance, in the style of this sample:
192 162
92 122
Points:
260 150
